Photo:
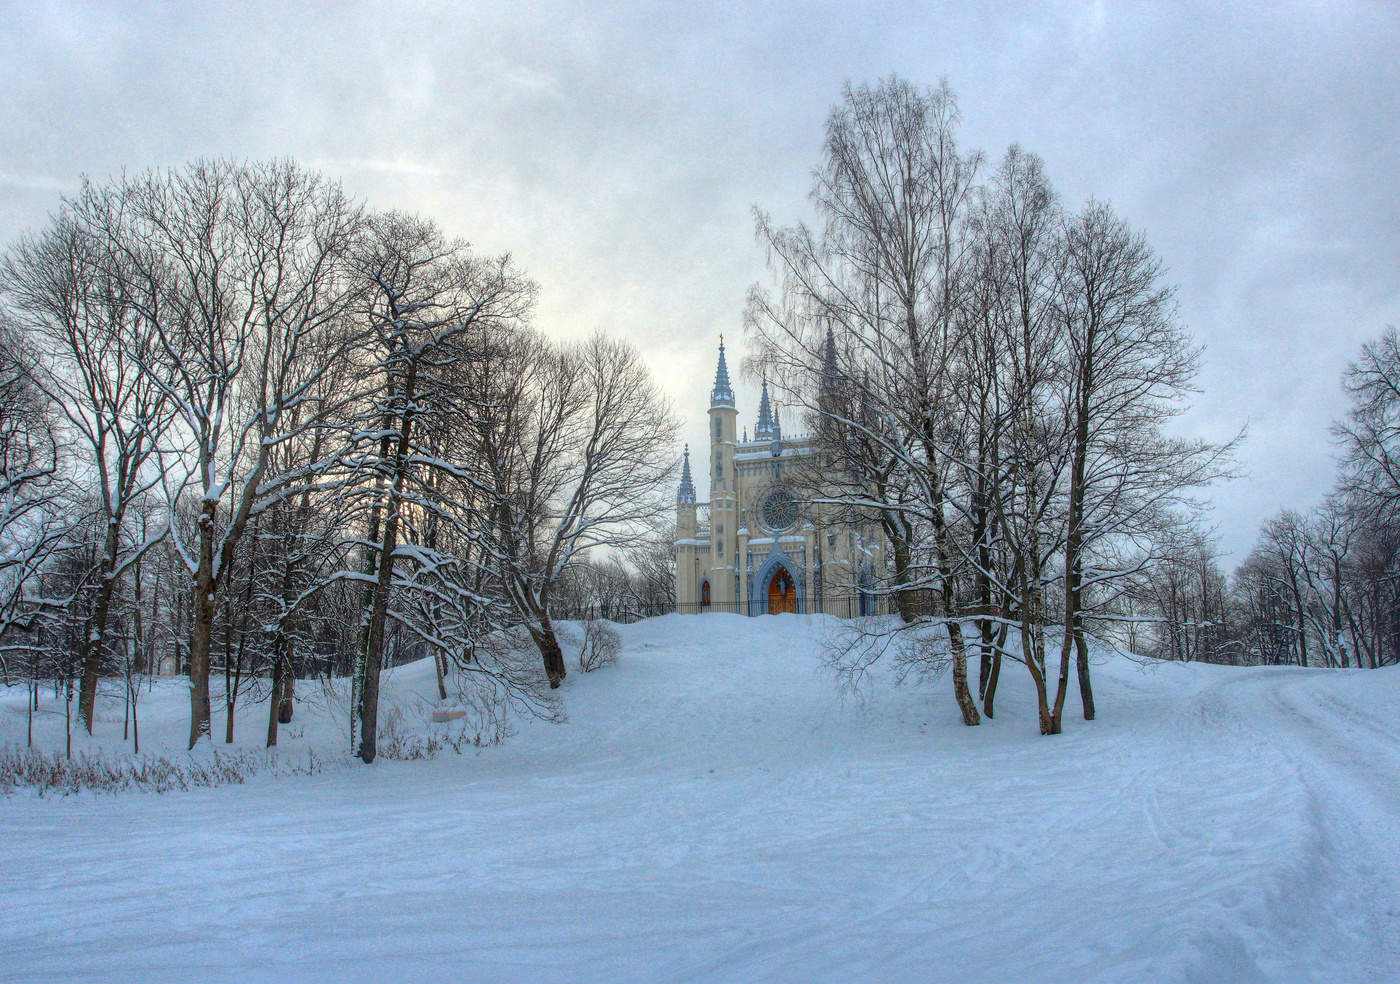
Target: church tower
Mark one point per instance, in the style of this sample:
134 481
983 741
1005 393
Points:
724 490
686 528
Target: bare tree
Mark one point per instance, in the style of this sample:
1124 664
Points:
36 507
72 291
1333 529
1370 436
1180 604
1017 366
431 308
573 447
992 379
889 272
654 563
245 285
1130 367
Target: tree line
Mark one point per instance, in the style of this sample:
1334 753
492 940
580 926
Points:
250 425
1319 588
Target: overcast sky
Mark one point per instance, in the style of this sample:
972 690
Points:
618 151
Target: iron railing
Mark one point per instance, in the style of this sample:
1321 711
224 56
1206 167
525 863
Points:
847 606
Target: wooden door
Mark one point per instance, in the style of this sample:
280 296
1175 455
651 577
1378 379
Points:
782 593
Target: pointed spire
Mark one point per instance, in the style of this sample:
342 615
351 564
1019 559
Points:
722 394
687 489
830 374
765 428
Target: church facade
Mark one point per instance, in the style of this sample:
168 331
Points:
762 545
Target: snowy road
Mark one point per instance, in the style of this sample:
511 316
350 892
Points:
713 811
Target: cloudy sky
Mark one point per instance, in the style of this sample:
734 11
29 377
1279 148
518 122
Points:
618 151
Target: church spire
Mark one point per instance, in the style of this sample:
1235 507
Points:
766 425
830 374
722 394
687 489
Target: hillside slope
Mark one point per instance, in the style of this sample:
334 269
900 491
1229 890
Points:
715 810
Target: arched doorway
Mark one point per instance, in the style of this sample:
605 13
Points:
782 593
704 595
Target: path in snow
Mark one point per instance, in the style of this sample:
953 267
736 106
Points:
714 810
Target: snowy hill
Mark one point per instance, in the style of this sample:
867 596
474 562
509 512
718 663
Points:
714 810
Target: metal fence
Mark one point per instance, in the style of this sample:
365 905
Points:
847 606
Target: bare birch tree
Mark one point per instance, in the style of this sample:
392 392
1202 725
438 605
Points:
1130 367
889 272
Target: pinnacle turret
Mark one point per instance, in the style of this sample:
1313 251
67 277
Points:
687 489
767 424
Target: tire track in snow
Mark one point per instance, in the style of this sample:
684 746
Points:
1335 899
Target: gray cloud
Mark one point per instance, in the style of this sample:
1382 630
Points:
618 152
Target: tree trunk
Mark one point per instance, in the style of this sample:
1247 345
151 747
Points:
201 639
274 700
374 649
904 598
279 708
989 698
138 633
1302 625
286 707
1029 652
961 692
231 693
373 657
1086 690
1038 678
372 560
1074 535
372 660
230 681
438 660
1061 684
92 657
984 631
548 644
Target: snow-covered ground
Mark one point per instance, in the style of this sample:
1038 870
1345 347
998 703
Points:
714 810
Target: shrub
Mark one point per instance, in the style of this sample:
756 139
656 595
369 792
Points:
478 730
601 644
31 767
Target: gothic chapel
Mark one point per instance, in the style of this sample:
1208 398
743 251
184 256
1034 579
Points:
761 545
